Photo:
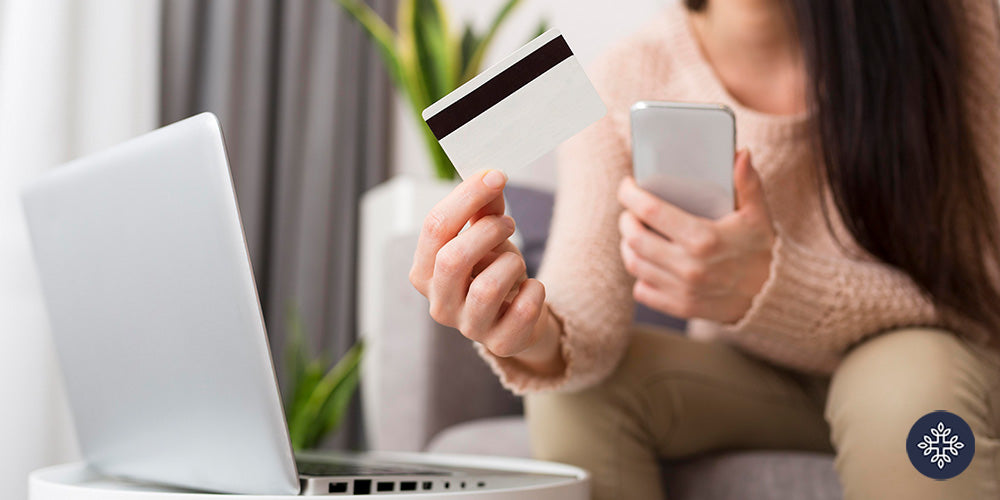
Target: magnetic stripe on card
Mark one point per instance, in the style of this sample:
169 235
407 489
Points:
499 87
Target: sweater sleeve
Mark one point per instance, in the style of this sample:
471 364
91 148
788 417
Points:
824 297
587 287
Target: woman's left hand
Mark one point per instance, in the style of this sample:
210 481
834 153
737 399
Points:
692 267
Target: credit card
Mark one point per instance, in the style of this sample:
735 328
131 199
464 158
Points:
517 110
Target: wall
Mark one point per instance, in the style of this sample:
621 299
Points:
588 26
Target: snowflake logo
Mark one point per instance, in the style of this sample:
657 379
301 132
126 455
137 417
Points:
941 445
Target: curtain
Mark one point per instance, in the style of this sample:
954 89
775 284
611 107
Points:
75 77
304 104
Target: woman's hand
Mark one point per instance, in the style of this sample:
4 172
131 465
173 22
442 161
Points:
475 279
691 267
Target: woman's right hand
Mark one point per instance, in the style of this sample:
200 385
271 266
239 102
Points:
475 279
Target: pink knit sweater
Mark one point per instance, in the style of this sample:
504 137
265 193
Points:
820 299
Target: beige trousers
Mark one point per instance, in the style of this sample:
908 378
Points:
673 397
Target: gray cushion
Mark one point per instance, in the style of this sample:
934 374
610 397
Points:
532 209
756 475
505 436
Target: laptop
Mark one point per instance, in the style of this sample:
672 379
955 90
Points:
159 332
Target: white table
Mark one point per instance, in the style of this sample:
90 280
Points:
77 482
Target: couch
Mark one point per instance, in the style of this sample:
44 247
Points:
425 389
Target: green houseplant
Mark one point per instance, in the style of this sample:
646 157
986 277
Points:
317 395
426 59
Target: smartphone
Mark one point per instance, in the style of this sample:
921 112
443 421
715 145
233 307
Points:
684 152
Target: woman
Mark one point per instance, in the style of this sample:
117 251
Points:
854 289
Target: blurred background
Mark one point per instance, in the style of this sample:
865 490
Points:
312 121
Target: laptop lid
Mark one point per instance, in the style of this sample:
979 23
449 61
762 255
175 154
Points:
155 315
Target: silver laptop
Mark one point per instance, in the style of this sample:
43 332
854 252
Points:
158 328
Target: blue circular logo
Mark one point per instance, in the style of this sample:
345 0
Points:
940 445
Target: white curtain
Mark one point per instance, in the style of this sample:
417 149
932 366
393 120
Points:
75 76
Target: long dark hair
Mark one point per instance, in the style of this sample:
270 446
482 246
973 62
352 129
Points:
896 145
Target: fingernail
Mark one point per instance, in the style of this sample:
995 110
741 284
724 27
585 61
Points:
494 179
507 222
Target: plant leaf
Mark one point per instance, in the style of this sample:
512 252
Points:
476 60
423 59
436 52
380 33
299 422
469 43
306 429
543 26
414 80
333 411
443 166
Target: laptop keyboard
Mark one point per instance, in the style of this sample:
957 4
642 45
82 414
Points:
331 468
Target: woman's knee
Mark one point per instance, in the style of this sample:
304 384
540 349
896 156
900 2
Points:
880 390
904 374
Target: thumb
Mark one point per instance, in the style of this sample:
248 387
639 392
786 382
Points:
749 188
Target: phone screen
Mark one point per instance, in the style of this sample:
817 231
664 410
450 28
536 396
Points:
683 153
